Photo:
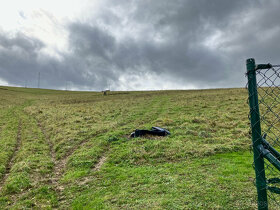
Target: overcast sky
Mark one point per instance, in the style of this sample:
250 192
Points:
135 44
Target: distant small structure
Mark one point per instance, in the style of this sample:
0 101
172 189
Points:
105 92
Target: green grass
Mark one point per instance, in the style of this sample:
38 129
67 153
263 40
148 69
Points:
62 149
209 182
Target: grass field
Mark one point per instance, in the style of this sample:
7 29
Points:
62 149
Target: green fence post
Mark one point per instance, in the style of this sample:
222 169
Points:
256 134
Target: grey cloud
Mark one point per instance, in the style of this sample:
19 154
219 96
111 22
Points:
86 67
89 41
24 43
21 61
163 37
17 55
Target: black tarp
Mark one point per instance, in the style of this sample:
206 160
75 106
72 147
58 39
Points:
156 131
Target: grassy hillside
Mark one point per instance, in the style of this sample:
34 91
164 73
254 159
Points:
62 149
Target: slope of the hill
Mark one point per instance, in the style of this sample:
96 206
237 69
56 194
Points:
62 149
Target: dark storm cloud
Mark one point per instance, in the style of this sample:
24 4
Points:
199 42
90 41
22 59
18 57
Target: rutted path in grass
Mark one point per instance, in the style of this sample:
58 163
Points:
12 158
84 181
51 147
58 166
81 167
31 170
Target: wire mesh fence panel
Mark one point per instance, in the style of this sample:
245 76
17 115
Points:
264 101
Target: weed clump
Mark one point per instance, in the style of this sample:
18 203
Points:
112 139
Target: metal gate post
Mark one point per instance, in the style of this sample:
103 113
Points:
256 134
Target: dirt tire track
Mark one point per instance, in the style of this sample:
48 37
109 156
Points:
60 165
52 152
57 169
11 160
57 166
96 167
100 162
82 143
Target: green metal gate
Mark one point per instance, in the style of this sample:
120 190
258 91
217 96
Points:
264 101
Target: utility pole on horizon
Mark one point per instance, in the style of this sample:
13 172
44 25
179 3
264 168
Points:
39 80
